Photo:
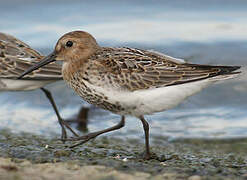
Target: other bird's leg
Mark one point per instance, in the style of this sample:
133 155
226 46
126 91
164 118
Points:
60 120
97 133
145 124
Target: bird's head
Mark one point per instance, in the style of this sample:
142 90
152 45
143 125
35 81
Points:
73 46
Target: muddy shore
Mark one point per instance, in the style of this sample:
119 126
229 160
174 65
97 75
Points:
41 157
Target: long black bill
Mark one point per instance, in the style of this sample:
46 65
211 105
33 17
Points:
48 59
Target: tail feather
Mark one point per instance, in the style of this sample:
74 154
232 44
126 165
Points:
229 70
222 70
215 73
226 72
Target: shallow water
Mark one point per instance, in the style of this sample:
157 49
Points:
209 32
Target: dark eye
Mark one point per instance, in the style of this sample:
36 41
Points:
69 44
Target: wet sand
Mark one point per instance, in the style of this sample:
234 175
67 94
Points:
27 155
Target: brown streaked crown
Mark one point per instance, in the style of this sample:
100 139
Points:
75 45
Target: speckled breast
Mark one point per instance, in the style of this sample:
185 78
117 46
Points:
92 96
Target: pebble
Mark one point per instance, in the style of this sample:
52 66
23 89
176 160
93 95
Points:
195 177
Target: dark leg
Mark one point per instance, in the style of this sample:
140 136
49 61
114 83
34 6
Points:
60 120
95 134
81 120
146 131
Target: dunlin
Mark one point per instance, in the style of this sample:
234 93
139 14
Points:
15 57
128 81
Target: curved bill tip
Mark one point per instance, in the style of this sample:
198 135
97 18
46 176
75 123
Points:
48 59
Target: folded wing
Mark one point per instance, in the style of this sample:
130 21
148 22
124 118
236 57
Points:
16 57
136 69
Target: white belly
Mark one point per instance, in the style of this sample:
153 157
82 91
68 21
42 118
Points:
160 99
149 101
21 85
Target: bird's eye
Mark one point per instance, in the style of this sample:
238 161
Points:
69 44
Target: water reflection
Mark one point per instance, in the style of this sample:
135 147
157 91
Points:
81 120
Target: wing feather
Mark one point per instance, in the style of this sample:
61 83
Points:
16 57
136 69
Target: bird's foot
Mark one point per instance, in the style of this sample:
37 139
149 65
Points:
83 139
63 135
148 156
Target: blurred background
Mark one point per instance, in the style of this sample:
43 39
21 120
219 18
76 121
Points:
206 32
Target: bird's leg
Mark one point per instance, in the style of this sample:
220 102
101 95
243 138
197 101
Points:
60 120
145 124
95 134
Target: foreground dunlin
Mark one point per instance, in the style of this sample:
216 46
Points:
128 81
15 57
